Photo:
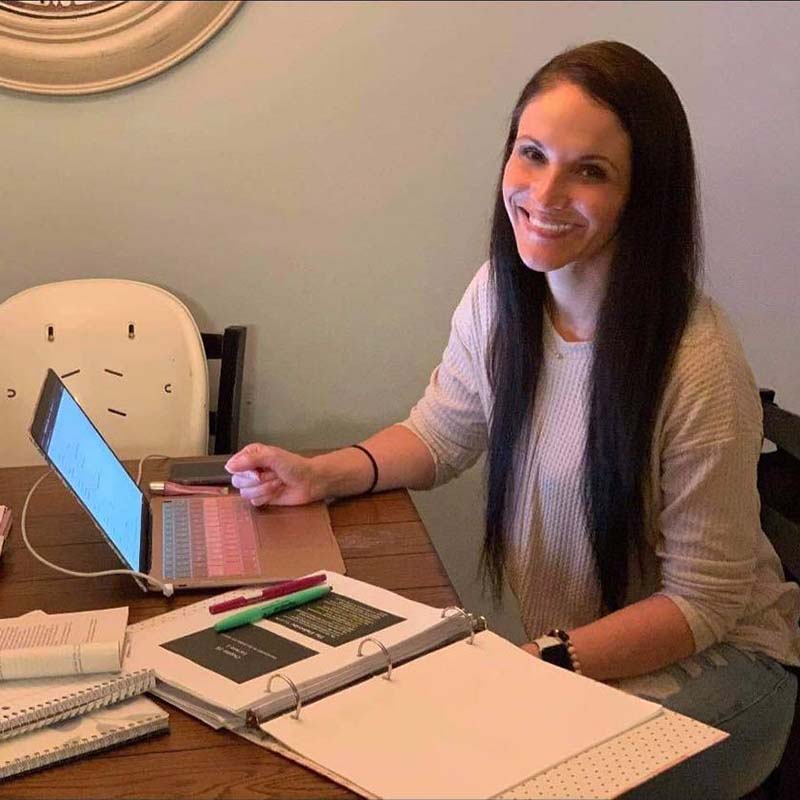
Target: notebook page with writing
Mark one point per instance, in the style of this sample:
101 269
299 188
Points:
465 721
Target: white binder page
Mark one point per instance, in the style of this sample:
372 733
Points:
465 721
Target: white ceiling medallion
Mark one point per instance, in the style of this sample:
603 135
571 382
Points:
74 47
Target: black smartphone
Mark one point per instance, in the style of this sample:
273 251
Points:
209 472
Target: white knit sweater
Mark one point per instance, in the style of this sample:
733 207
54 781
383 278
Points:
704 547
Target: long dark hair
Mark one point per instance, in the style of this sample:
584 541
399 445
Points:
650 293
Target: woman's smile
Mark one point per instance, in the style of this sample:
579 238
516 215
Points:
542 228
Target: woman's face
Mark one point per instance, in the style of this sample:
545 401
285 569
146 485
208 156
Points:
567 180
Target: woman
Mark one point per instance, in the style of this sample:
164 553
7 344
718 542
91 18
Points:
621 421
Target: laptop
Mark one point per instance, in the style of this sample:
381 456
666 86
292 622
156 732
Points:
190 541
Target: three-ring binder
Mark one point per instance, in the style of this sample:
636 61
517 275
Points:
298 702
388 675
476 624
473 625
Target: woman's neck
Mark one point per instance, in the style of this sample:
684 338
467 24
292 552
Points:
574 299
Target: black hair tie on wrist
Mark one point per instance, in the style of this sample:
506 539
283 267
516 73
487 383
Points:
374 466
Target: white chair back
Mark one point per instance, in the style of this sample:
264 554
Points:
129 352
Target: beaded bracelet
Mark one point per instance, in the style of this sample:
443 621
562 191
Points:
573 656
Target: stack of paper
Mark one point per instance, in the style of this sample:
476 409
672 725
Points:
59 711
39 645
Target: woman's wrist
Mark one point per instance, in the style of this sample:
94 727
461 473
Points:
318 479
532 648
341 473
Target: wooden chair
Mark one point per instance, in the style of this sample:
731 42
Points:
228 347
779 488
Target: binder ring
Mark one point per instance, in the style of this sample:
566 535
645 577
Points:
468 617
388 675
296 694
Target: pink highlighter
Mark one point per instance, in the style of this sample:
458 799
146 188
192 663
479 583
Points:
170 489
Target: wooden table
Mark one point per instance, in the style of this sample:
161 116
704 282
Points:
383 541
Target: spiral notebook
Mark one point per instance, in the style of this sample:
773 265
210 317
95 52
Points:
26 705
73 738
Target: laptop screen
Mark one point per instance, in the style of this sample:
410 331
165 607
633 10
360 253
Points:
77 451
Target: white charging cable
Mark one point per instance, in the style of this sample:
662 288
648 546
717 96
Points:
166 588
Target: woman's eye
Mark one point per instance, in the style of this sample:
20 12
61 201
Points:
532 153
593 172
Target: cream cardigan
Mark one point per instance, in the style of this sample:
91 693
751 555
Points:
704 548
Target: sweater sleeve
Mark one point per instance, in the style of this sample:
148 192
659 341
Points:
709 517
450 418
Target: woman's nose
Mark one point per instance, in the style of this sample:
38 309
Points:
550 190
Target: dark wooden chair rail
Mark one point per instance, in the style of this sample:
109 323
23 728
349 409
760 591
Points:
779 489
228 347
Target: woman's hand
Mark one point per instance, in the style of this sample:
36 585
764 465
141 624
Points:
265 474
532 648
268 475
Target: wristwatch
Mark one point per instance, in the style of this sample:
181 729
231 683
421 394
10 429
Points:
554 649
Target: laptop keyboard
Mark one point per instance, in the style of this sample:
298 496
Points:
208 537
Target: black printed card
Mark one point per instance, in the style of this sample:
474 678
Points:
240 654
335 620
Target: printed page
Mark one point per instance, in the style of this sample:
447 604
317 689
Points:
465 721
40 645
309 644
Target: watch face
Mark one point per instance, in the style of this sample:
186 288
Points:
558 655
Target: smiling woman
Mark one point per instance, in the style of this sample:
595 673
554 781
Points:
74 47
620 418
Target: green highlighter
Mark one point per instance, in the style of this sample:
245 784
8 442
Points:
268 609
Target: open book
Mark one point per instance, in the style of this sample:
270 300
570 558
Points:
385 695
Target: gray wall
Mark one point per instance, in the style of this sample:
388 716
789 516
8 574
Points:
323 173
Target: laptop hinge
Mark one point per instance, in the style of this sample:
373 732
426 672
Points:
146 539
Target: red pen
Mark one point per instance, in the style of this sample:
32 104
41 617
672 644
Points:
278 590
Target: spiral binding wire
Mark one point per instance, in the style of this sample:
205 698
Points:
30 718
82 746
